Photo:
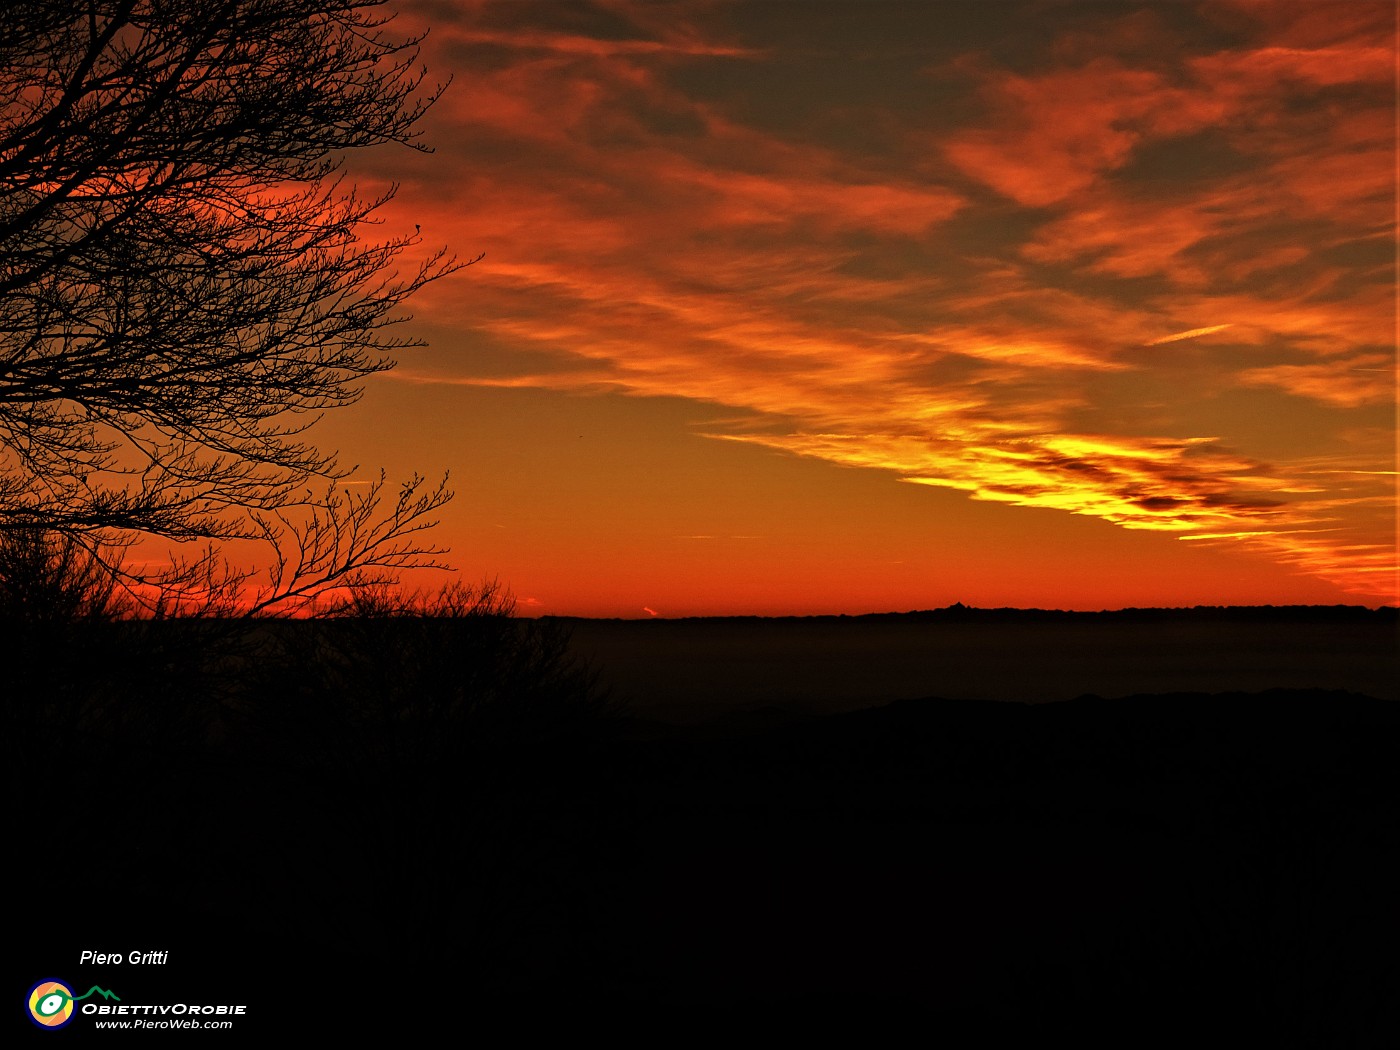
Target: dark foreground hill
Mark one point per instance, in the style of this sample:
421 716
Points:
1122 868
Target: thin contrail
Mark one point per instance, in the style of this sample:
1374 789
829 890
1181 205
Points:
1192 334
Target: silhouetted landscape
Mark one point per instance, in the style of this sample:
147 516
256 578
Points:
701 307
466 807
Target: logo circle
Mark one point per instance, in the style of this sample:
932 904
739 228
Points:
51 1004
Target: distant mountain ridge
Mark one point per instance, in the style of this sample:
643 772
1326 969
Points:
959 613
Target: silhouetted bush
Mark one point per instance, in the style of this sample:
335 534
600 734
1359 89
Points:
48 577
382 680
58 602
386 678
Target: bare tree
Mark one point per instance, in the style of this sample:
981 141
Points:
347 543
183 284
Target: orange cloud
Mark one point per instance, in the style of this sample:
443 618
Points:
1058 133
1350 383
591 47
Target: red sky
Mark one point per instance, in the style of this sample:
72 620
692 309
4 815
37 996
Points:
845 307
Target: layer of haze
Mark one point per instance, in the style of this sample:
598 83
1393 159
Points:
839 307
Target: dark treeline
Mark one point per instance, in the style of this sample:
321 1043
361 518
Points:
1194 614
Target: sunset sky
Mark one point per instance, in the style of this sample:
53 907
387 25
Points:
848 307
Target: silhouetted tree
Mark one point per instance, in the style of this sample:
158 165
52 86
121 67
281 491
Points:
183 287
